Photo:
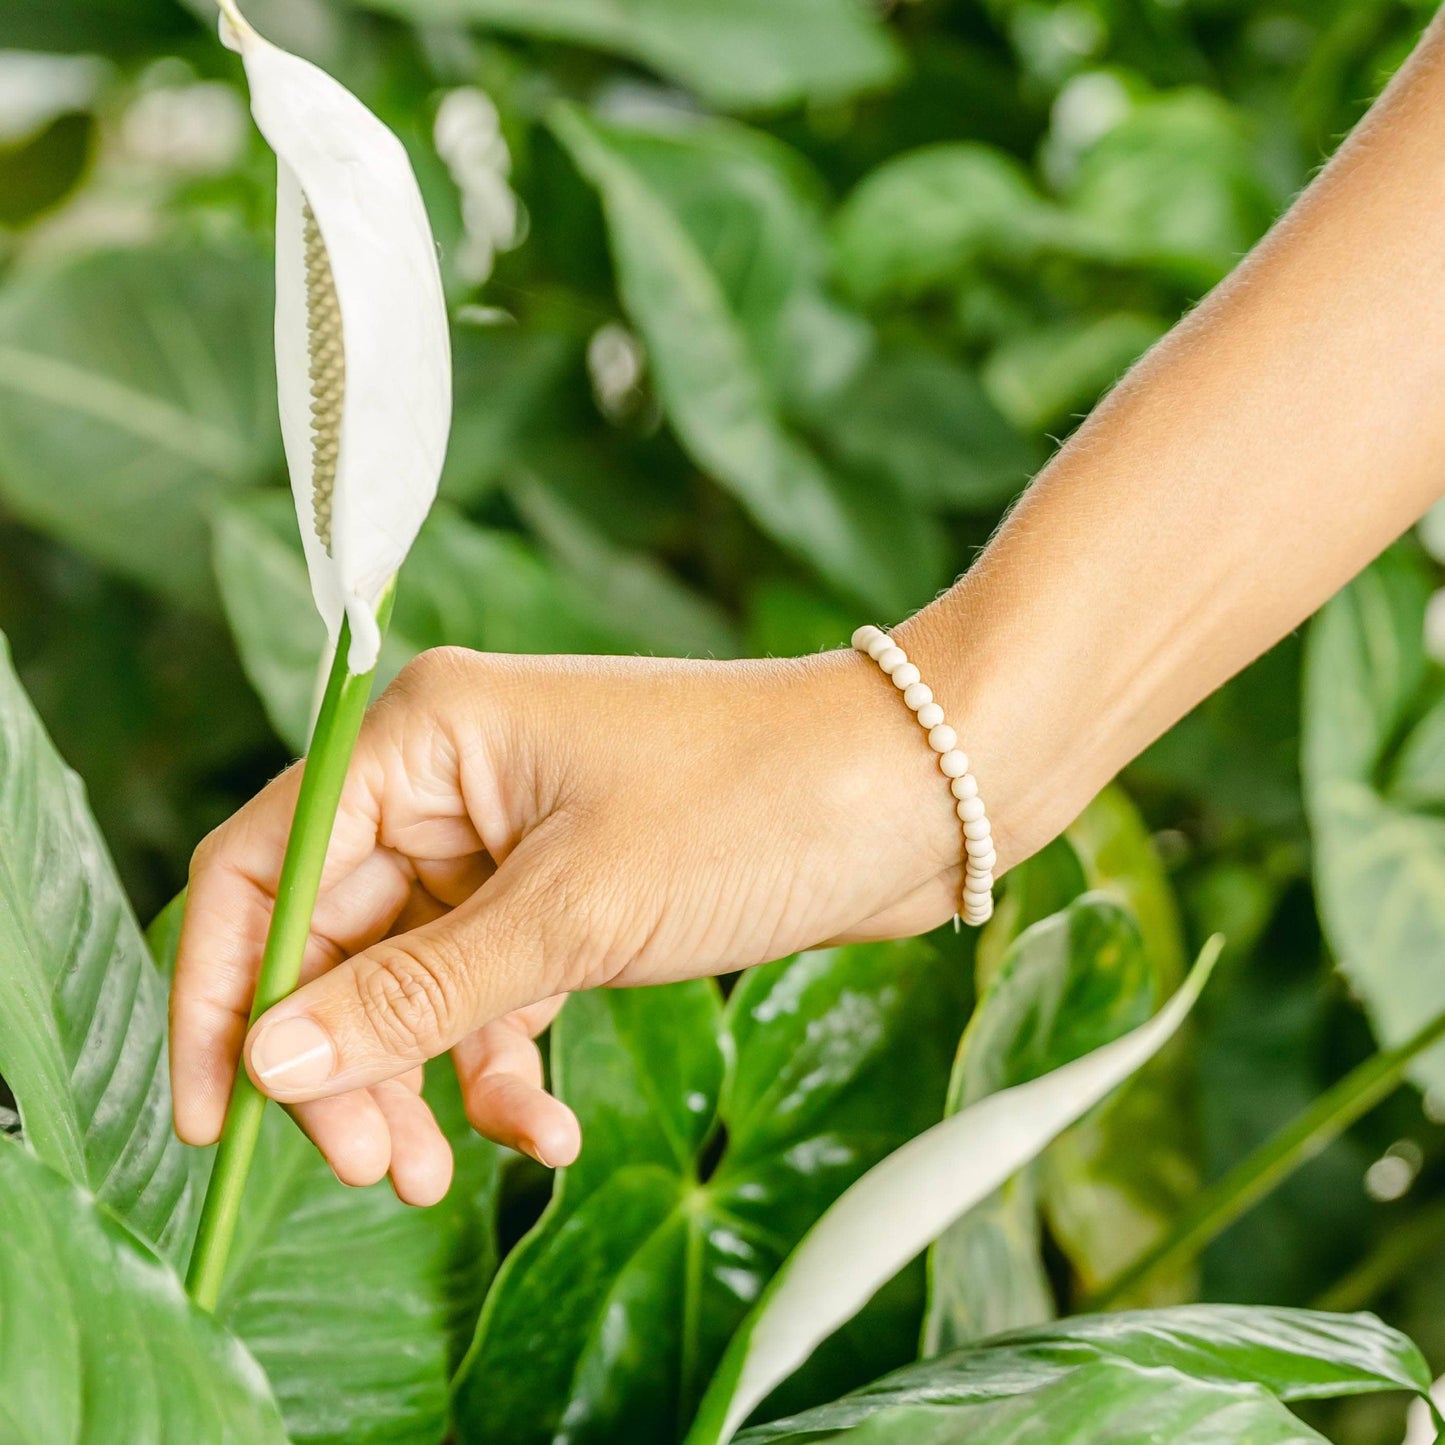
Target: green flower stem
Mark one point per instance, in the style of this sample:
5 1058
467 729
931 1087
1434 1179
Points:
323 776
1260 1173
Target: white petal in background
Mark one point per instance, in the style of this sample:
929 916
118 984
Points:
919 1190
1422 1429
335 156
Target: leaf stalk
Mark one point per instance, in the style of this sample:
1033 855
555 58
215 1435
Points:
1263 1171
323 776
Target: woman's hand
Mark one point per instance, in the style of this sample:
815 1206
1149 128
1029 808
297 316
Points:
514 829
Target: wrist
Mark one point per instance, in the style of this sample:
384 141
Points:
884 769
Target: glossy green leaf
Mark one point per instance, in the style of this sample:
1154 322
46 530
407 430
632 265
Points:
350 1299
713 1136
1112 1185
461 585
1070 984
1380 862
743 54
100 1342
137 388
82 1030
925 217
719 261
919 1190
1208 1374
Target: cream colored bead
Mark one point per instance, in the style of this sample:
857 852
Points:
976 898
942 739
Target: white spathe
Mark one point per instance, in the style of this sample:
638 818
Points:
901 1205
335 156
1422 1429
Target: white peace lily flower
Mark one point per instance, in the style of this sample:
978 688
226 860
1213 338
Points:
363 357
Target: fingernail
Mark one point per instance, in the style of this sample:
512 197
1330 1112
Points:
541 1158
294 1053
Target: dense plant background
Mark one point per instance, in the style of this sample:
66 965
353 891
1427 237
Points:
764 312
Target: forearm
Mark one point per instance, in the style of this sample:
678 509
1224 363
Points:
1276 441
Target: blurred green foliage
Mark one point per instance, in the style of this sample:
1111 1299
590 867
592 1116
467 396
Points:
765 310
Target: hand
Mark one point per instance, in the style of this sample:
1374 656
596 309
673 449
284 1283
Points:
513 829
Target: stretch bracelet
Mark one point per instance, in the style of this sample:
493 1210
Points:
977 903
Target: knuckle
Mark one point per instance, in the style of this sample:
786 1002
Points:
409 1001
206 852
436 667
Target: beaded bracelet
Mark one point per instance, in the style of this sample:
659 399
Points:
977 901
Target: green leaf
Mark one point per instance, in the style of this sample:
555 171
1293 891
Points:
1379 860
39 171
926 422
350 1299
919 1191
505 380
107 26
1201 1373
136 389
1113 1185
101 1342
1070 984
1051 376
82 1031
925 217
629 591
461 585
742 54
1102 1401
718 256
712 1138
1177 184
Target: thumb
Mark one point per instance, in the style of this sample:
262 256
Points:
408 999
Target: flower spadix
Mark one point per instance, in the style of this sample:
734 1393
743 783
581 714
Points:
363 358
